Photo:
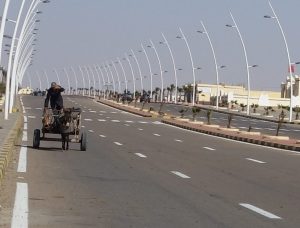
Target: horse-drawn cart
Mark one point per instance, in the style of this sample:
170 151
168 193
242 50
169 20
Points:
66 123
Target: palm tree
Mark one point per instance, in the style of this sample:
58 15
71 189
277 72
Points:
180 91
168 89
172 88
188 90
196 111
156 91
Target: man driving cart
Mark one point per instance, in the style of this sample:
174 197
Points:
56 103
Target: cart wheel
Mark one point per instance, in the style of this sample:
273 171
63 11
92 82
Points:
83 141
36 138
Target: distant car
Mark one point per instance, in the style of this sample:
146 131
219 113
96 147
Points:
39 93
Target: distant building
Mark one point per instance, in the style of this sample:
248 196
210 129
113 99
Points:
286 87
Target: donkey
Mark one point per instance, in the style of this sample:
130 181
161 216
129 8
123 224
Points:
66 127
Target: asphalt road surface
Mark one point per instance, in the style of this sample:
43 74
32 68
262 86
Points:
137 172
243 123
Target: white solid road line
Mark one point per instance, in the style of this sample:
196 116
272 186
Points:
209 148
102 136
254 160
180 174
25 126
140 155
24 138
25 119
22 165
156 135
259 211
20 212
117 143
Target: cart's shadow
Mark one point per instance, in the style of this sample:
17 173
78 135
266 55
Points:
52 149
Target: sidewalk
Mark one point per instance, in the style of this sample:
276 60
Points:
9 132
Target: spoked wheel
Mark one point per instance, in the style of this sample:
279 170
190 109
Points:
83 141
36 138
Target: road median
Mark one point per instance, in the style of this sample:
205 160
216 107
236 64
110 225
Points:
243 136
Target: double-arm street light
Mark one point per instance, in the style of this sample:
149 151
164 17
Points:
192 62
47 79
288 56
118 76
68 78
246 59
57 76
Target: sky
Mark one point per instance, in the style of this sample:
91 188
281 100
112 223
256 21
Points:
87 32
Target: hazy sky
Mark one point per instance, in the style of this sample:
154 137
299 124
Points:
87 32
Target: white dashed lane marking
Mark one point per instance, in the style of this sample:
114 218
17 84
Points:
260 211
88 119
127 125
257 161
83 126
115 121
20 211
129 121
31 117
93 111
140 129
101 120
208 148
156 135
180 174
91 131
117 143
143 122
102 136
140 155
178 140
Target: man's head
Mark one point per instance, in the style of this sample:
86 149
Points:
53 84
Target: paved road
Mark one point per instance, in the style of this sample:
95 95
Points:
140 173
240 122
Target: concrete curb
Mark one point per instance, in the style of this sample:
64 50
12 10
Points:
124 108
259 140
8 145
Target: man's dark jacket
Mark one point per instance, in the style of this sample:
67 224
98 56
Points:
56 100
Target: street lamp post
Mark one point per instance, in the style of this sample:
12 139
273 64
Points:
2 29
124 74
47 79
94 81
108 80
215 59
89 80
40 82
150 71
103 81
118 76
112 76
133 77
288 56
246 59
192 62
99 81
174 65
68 78
160 68
83 80
139 68
57 76
76 80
